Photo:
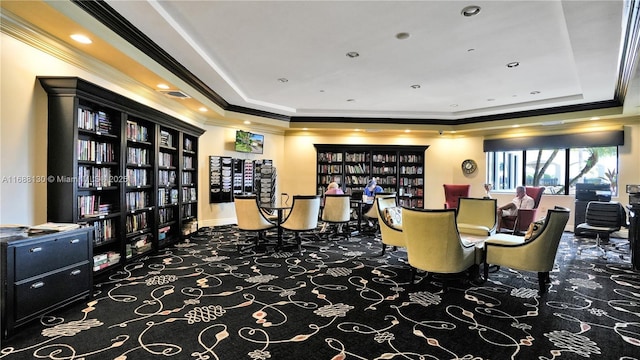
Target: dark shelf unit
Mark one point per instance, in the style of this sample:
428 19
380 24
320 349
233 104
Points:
398 169
110 160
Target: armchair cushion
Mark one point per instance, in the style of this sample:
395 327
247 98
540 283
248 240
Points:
534 229
472 229
393 215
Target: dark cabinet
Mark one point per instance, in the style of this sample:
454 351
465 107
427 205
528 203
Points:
43 273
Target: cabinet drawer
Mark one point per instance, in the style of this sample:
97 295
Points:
41 293
41 257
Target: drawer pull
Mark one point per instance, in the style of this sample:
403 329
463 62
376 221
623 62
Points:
35 249
76 272
75 241
39 284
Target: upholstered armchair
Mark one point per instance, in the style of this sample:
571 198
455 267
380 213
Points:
536 254
452 192
303 217
250 217
519 223
390 220
477 216
434 245
337 212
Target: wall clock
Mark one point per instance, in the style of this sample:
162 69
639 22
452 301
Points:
469 166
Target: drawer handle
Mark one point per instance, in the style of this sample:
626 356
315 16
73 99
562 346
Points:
39 284
75 241
76 272
35 249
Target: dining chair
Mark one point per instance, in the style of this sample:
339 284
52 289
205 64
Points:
303 216
337 213
249 217
535 254
434 244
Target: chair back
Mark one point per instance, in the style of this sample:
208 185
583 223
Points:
452 192
536 193
390 234
478 214
337 208
248 214
304 213
373 210
433 242
609 215
541 248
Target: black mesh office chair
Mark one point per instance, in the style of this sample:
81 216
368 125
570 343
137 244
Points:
602 219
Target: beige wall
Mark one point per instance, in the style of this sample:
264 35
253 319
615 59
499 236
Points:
23 146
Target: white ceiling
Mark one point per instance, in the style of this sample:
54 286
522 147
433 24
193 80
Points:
568 54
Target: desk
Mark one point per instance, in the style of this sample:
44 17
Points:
279 209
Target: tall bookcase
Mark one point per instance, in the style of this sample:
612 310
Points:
397 169
127 169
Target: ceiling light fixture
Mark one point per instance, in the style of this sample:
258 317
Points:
416 86
283 80
402 35
83 39
470 10
535 92
513 64
352 54
163 86
351 100
247 122
203 109
595 118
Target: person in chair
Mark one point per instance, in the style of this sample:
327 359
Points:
510 210
370 191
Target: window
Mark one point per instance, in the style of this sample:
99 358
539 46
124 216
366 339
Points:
553 168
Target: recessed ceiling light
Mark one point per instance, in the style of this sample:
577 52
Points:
535 92
203 109
163 86
283 80
407 131
305 128
513 64
471 49
595 118
247 122
470 10
402 35
491 99
353 54
515 126
351 100
416 86
83 39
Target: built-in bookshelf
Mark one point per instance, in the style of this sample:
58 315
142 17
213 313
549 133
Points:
397 169
120 167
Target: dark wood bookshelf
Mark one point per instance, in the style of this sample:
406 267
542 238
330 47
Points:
398 169
115 185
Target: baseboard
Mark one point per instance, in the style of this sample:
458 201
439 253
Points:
217 222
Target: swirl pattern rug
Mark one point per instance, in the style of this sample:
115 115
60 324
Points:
339 299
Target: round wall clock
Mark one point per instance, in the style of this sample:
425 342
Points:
469 166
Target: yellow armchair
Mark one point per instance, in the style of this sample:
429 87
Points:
477 216
390 230
434 245
535 254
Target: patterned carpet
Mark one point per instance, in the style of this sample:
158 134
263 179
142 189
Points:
339 300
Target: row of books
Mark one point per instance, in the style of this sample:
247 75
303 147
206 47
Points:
411 158
137 200
103 230
104 260
165 159
330 157
383 170
137 177
167 197
137 222
97 121
90 150
137 156
355 157
411 181
188 144
327 169
187 162
357 169
165 215
137 132
383 158
90 205
187 210
166 177
411 170
93 176
189 194
139 245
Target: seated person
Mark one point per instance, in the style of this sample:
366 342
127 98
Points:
510 210
370 191
334 188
